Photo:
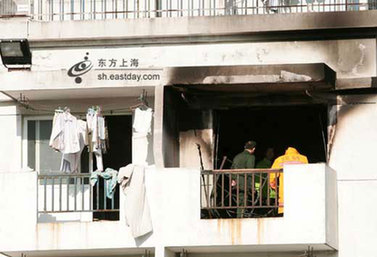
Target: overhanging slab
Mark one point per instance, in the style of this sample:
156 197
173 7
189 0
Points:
253 78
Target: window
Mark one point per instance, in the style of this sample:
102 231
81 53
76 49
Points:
221 122
37 154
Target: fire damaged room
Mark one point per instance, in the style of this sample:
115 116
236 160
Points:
207 125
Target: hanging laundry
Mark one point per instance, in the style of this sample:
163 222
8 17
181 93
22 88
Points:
97 134
142 128
71 161
110 176
64 137
68 136
142 120
132 177
56 137
132 181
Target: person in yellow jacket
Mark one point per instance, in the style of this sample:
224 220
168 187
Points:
291 156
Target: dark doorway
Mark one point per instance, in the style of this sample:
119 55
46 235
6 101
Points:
120 141
302 127
118 155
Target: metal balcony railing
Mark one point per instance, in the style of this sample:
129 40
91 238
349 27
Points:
240 193
52 10
7 8
65 193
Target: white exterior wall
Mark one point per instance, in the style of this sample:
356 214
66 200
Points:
18 218
353 158
349 58
10 138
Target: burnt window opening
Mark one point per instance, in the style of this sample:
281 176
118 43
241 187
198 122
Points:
279 127
222 125
303 127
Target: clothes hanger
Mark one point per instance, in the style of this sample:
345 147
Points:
143 105
59 110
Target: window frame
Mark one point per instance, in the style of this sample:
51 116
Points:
25 157
27 118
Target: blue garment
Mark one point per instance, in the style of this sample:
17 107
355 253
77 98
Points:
110 176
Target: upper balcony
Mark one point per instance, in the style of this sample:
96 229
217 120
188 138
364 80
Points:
60 10
172 21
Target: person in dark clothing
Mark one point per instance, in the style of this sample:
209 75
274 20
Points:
243 160
261 182
265 163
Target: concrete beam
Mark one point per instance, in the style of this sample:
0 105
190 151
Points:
194 29
12 28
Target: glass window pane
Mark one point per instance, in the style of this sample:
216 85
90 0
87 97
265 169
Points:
49 159
31 144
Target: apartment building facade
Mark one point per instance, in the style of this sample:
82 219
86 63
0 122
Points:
216 74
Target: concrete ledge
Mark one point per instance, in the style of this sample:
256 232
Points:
13 28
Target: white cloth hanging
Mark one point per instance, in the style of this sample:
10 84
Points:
68 136
132 177
140 149
142 120
142 128
64 137
71 161
132 181
101 128
57 136
96 125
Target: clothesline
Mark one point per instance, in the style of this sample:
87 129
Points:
9 115
50 112
79 113
23 101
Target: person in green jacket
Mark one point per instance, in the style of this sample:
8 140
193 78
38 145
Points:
243 160
265 163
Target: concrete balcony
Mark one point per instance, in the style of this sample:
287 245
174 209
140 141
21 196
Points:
310 218
134 9
93 23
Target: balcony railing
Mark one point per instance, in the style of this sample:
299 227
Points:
240 193
67 193
54 10
7 8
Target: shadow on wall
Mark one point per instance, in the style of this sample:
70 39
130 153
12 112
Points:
140 240
46 218
64 217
